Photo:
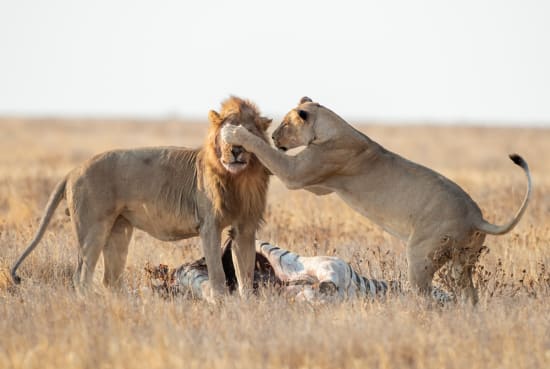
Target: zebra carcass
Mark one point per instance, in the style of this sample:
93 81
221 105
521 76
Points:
306 278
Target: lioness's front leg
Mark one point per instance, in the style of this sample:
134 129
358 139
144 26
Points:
283 166
295 171
210 234
244 255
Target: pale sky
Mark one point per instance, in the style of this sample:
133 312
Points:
449 61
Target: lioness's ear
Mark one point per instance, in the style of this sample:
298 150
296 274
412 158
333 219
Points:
214 117
304 100
303 114
264 123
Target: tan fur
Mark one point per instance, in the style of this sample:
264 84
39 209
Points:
437 219
172 193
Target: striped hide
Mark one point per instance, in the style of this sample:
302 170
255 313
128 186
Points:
323 277
331 275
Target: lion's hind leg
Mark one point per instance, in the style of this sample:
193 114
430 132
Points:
210 234
116 251
92 238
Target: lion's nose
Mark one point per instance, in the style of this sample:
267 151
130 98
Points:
236 151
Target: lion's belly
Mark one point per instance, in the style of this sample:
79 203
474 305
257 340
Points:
163 225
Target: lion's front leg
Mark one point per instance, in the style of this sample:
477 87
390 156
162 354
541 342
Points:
210 234
244 256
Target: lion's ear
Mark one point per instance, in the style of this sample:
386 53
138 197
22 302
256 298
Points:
264 123
214 117
304 100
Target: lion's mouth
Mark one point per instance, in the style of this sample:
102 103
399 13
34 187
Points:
235 166
282 148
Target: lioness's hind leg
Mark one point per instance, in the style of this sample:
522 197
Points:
424 259
420 274
468 291
464 259
116 251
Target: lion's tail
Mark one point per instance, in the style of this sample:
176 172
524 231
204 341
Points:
53 202
489 228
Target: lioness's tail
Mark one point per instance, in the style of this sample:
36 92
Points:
489 228
53 202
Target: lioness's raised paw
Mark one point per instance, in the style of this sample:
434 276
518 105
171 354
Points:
234 135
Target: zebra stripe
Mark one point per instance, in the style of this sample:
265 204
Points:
351 273
283 255
384 286
357 279
189 279
372 288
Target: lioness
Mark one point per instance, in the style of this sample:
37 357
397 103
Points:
171 193
437 219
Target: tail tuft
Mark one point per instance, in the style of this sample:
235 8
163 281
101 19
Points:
518 160
16 279
489 228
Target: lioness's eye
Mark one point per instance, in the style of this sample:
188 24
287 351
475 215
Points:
302 114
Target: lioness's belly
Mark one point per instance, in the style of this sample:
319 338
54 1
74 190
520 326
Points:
166 226
380 214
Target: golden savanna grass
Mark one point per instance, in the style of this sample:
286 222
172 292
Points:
44 324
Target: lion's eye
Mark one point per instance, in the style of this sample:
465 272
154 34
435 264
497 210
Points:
252 128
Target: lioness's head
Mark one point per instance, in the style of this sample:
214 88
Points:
236 111
297 127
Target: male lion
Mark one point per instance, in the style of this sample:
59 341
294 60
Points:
171 193
437 219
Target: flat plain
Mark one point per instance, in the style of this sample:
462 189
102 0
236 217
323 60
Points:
44 324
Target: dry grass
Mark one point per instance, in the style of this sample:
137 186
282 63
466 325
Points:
44 324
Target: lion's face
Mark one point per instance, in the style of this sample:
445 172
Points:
235 159
296 129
